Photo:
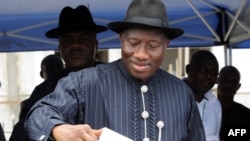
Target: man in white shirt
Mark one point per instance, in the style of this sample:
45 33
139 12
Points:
202 75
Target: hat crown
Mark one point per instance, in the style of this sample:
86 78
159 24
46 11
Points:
74 20
146 14
152 11
75 17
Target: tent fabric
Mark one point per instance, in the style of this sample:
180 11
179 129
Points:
205 22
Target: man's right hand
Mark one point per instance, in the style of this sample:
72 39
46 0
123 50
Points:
80 132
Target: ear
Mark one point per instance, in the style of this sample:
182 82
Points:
96 42
238 87
41 74
187 68
167 43
59 49
96 49
96 45
121 38
217 80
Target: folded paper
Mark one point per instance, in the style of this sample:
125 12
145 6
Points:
110 135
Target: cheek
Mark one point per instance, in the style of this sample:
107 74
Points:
126 51
157 57
64 53
195 77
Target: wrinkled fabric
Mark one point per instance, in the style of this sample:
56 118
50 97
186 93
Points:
211 116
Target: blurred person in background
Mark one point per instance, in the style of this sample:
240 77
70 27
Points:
202 73
234 114
50 65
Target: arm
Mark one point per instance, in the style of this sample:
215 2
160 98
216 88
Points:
54 114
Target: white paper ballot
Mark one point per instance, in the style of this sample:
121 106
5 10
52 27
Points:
110 135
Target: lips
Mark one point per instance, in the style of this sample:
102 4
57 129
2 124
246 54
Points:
140 66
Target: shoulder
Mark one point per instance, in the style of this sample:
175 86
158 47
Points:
213 100
173 82
170 77
100 68
94 73
211 97
108 67
241 107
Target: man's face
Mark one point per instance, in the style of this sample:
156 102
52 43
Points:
143 51
228 84
78 49
203 76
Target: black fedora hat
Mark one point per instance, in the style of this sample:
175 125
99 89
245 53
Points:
146 14
75 19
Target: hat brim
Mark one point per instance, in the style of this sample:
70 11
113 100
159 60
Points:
118 27
54 33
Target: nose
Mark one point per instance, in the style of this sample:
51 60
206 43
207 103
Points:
142 52
76 42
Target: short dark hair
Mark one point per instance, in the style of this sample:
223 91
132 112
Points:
203 55
230 69
51 60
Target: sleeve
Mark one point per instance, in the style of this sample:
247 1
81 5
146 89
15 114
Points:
195 127
59 107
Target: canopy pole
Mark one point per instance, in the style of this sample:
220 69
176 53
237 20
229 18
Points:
228 55
225 55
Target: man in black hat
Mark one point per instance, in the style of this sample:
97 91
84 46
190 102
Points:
131 96
78 45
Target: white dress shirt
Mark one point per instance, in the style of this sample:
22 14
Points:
210 112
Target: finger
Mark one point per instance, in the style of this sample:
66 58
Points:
88 134
98 132
89 137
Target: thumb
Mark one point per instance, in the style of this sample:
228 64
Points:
98 132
